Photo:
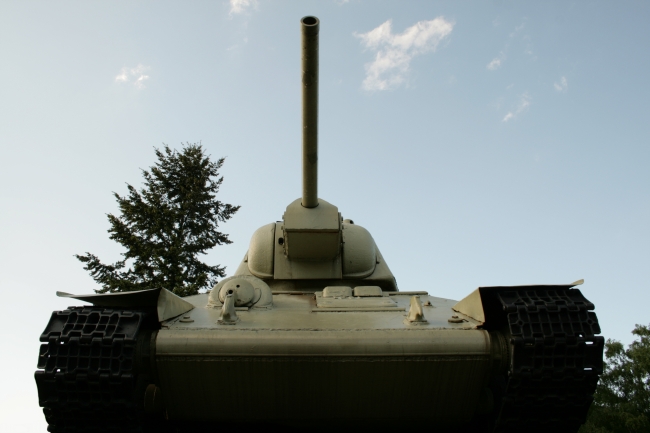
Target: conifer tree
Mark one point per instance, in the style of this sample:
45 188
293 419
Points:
166 226
622 400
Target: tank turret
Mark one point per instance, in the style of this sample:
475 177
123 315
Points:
313 245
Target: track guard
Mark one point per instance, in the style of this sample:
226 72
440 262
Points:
166 303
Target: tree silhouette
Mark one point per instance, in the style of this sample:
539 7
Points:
622 399
166 226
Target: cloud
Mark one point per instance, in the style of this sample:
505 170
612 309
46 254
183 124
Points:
518 29
494 64
395 51
240 6
529 51
562 86
133 75
524 103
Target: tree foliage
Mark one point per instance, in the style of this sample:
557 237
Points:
622 399
166 225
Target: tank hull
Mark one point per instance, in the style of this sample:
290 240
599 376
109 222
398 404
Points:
295 365
530 361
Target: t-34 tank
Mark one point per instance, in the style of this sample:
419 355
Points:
312 331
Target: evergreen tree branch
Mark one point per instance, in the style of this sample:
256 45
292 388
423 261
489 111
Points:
166 225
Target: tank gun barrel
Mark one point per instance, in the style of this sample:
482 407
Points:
309 28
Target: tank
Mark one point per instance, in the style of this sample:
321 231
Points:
312 332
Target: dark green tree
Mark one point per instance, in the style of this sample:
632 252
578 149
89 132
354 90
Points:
166 226
622 399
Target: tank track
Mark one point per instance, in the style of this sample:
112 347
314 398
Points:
93 366
555 360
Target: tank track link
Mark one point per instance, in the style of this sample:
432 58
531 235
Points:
93 366
555 361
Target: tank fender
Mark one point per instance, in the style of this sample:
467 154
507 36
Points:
167 304
479 306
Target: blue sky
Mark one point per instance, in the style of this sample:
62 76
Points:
481 143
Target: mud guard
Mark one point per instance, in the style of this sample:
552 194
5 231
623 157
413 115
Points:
167 304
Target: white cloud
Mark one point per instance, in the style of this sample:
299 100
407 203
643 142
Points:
562 86
135 75
529 51
395 51
494 64
122 76
518 29
240 6
524 103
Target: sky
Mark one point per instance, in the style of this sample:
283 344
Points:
480 143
